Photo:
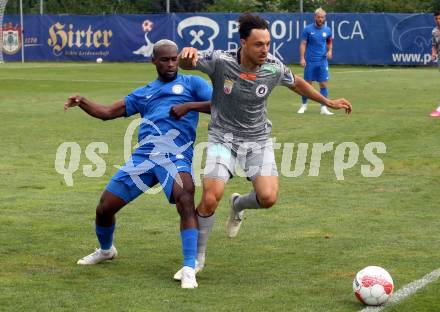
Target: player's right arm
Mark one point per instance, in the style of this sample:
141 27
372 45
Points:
103 112
303 46
188 58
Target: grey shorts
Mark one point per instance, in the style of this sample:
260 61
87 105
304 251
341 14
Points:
245 159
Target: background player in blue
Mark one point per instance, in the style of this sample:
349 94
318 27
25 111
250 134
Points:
315 50
164 154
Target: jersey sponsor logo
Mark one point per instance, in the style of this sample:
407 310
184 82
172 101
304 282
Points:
270 68
261 90
199 31
248 76
227 86
288 76
177 89
11 38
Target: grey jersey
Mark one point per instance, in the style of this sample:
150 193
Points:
436 39
239 99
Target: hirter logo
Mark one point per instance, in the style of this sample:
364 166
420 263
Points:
11 38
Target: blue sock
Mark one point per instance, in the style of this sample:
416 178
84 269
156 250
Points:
105 236
324 92
304 99
189 246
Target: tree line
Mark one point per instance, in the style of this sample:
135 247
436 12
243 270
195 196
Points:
98 7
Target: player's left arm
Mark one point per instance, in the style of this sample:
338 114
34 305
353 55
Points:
301 87
329 48
329 45
201 93
180 110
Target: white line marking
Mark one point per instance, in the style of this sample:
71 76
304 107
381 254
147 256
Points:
76 80
407 290
48 66
363 71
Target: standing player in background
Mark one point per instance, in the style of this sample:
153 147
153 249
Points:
315 50
436 50
164 155
239 131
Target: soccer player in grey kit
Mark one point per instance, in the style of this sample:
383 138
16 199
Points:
436 50
239 130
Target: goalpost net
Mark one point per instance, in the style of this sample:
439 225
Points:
2 11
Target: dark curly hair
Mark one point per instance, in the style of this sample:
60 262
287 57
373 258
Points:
249 21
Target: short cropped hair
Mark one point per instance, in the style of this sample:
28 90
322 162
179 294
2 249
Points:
163 43
320 11
249 21
437 13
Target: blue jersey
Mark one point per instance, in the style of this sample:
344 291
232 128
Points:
154 101
316 40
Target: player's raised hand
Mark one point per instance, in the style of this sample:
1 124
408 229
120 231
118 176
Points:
72 101
341 103
188 56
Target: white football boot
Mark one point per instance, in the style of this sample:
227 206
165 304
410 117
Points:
325 111
98 256
302 109
235 218
178 275
188 278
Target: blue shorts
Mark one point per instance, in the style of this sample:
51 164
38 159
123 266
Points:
316 71
143 171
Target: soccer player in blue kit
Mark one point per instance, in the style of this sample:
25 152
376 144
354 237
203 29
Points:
315 50
164 155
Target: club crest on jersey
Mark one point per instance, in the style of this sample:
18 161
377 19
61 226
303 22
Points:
227 87
324 34
261 90
177 89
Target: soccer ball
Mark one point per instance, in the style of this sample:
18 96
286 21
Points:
99 60
147 26
373 285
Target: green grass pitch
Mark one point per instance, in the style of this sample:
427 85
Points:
300 255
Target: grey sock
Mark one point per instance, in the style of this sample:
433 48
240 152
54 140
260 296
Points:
247 201
205 226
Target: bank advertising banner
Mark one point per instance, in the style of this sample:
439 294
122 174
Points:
370 39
